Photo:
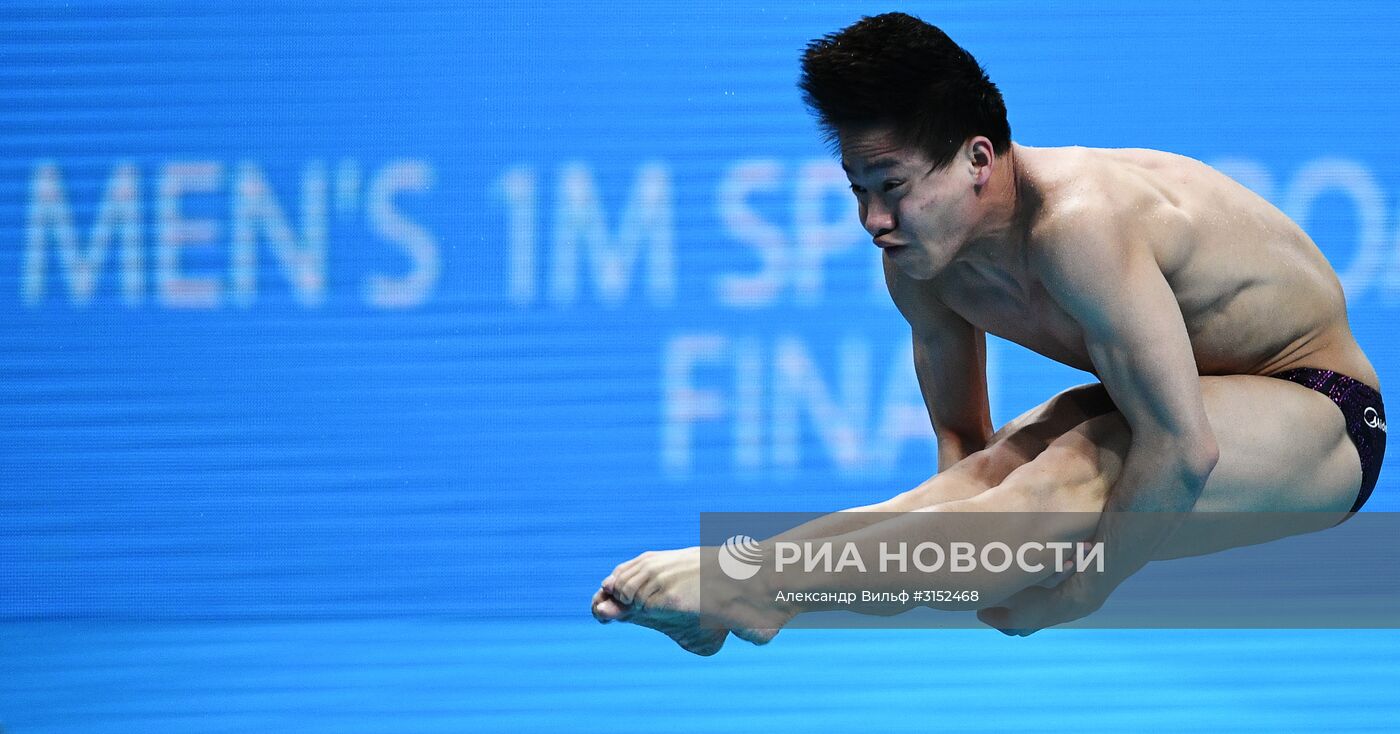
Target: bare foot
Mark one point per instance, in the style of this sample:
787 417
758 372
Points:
661 590
686 630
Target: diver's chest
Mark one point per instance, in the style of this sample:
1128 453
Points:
1027 316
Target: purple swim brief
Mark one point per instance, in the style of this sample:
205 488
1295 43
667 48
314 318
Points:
1365 416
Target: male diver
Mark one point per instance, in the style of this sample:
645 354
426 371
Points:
1229 379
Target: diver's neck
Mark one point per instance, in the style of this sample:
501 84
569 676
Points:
1000 238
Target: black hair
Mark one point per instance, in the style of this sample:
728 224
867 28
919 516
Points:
894 69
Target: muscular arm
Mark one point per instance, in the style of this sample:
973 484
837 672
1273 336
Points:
950 361
1138 342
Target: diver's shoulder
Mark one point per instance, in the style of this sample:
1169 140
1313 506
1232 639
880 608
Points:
1094 201
1072 159
1080 190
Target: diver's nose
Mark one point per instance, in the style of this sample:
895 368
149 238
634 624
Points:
878 220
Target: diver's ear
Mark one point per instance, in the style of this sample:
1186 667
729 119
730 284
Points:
981 159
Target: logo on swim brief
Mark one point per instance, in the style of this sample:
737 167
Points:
1373 419
740 557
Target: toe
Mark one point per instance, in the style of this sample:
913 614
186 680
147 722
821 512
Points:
628 585
632 564
606 608
610 611
599 597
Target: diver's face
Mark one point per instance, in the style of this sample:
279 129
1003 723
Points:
918 216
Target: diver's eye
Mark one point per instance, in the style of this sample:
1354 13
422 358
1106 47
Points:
892 185
857 189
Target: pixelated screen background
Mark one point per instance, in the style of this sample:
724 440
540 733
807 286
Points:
345 347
